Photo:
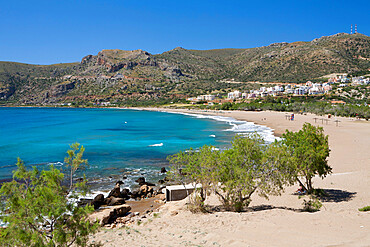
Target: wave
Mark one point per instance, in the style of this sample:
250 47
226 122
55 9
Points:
239 126
156 145
212 136
55 163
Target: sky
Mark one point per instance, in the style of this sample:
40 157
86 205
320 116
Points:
54 31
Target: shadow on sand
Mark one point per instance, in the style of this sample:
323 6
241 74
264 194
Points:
332 195
219 208
269 207
328 195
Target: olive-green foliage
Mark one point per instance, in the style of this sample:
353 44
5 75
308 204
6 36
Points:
249 166
308 150
313 204
364 209
42 212
197 167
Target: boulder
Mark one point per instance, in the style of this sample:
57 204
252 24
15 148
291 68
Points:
83 202
163 170
116 192
108 215
116 201
140 180
125 194
145 191
98 201
107 200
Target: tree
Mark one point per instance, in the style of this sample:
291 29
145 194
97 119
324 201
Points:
42 212
309 150
249 166
197 167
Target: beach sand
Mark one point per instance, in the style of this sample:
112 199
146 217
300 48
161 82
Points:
277 221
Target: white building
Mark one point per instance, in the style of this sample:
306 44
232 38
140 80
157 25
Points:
234 95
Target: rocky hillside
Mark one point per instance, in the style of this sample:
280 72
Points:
131 76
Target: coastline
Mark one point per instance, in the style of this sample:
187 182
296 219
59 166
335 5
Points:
279 219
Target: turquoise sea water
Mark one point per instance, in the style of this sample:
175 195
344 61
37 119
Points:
116 140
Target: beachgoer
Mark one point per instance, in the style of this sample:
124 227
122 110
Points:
300 190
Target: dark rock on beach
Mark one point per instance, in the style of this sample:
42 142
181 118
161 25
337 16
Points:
98 201
125 194
140 180
116 192
108 215
116 201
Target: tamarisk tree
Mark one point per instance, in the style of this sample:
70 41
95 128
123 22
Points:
40 211
308 150
249 166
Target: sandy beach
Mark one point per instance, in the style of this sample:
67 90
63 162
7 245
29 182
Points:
277 221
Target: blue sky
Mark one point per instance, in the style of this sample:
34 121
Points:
53 31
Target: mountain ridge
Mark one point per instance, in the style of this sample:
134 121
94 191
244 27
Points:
121 75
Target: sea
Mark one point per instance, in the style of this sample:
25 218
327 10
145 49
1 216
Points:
120 144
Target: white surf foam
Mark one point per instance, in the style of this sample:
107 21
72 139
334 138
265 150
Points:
156 145
212 136
238 126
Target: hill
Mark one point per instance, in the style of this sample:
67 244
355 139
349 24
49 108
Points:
133 76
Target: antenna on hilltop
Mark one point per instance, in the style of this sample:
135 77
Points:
351 29
355 28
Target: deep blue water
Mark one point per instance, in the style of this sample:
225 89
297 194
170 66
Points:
116 140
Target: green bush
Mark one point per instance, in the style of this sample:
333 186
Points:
364 209
312 205
43 212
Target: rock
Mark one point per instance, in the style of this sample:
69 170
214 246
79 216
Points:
108 215
83 202
116 192
163 170
159 201
62 88
150 184
98 201
140 180
173 213
116 201
125 194
161 181
107 200
145 190
135 194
